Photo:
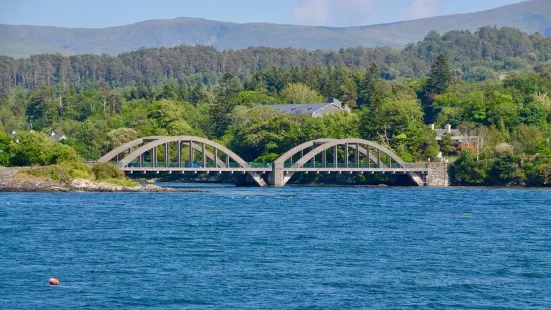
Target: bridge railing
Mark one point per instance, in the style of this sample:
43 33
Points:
355 165
342 165
191 165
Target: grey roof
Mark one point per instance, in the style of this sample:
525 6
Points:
57 137
442 132
301 108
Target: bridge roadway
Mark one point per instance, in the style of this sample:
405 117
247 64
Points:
418 168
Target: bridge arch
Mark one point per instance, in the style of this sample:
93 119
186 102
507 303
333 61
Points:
121 150
299 149
283 170
191 139
134 152
355 144
352 143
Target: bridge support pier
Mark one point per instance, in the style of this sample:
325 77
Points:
437 175
277 177
249 179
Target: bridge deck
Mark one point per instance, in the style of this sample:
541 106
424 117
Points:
267 170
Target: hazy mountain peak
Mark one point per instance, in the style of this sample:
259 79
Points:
20 41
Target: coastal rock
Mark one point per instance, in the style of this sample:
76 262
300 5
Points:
89 186
15 180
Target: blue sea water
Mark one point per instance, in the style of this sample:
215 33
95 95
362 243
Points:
290 248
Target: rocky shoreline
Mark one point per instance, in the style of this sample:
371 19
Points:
11 181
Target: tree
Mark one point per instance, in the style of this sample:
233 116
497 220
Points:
447 145
168 91
506 171
34 148
530 140
119 136
260 131
439 77
466 170
219 112
164 112
389 120
5 141
300 93
42 110
180 128
370 93
253 98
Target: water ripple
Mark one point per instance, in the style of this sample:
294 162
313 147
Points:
291 248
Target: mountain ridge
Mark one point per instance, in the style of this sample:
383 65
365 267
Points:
24 40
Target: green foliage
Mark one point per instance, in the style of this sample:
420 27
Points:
538 173
506 170
260 131
482 83
252 98
226 94
122 182
52 172
33 148
467 171
530 140
300 93
447 145
5 141
64 172
371 94
106 171
439 77
267 158
119 136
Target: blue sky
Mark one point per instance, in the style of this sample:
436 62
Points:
103 13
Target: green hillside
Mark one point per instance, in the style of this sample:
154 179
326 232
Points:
22 41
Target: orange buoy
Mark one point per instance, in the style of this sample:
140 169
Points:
53 281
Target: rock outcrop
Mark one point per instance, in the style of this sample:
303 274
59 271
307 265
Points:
14 180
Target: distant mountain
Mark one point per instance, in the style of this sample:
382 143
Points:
22 41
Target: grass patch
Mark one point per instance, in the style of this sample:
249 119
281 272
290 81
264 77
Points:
54 172
64 172
68 171
125 183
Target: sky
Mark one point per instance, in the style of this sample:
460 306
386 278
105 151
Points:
106 13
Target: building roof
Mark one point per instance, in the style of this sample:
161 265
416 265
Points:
441 132
303 108
57 137
309 108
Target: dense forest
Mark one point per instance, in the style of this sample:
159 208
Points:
492 84
473 56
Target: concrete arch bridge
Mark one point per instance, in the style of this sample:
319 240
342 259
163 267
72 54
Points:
189 154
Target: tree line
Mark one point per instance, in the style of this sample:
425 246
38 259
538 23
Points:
474 56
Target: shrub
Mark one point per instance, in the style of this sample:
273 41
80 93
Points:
34 148
106 171
467 171
54 172
79 170
64 172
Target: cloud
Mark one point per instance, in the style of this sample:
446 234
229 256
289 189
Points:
353 12
335 12
311 11
422 9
